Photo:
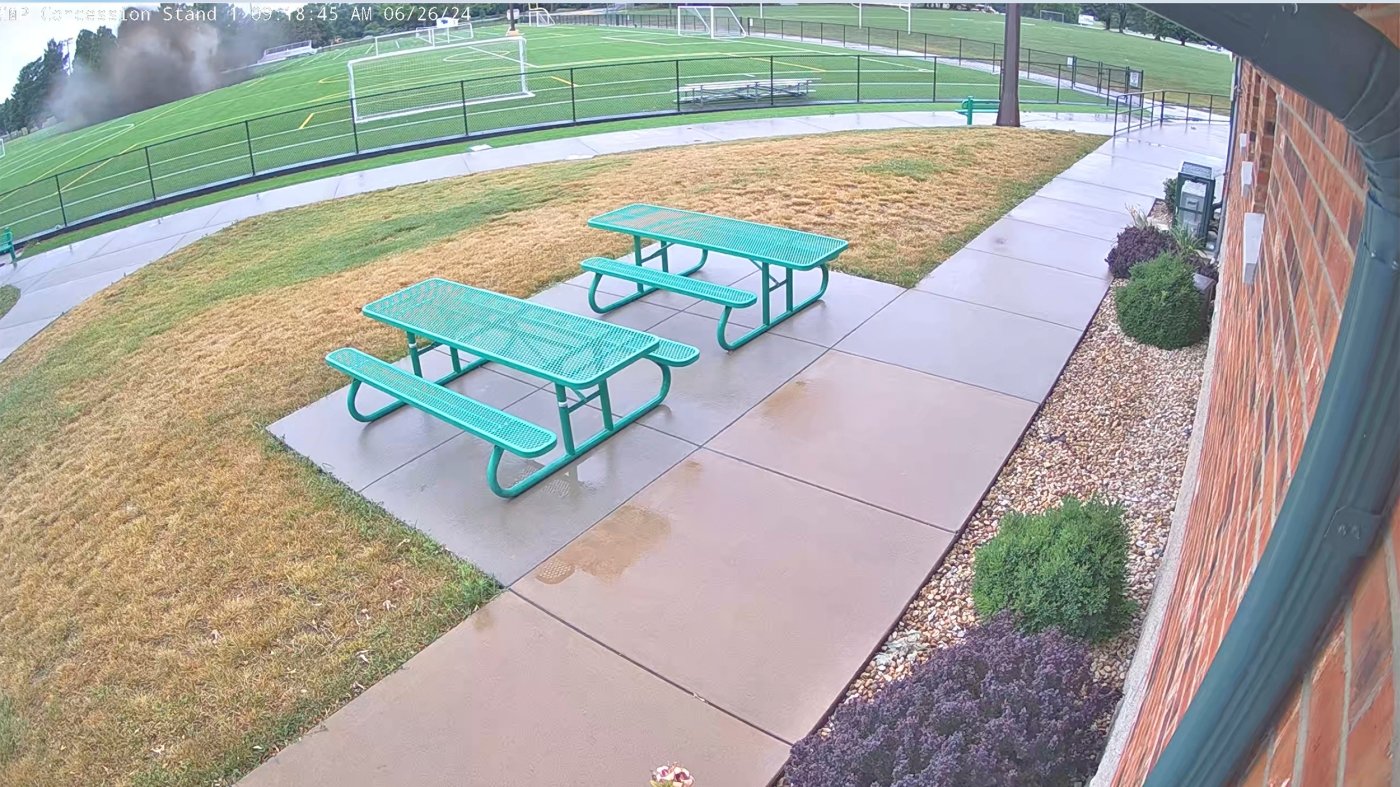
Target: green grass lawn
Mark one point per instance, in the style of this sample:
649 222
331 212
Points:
1165 64
296 112
9 296
183 595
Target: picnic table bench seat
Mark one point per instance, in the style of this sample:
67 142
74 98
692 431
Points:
499 428
577 354
671 282
764 245
970 105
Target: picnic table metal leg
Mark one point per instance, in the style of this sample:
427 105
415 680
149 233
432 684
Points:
414 352
768 320
571 451
642 289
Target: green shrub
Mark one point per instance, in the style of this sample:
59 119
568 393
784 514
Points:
1065 568
1169 195
1161 306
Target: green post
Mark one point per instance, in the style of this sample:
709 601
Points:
857 79
772 83
935 79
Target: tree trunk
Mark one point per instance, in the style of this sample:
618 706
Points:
1009 109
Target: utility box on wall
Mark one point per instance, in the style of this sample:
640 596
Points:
1195 198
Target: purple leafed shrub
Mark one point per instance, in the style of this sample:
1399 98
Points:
1138 244
999 708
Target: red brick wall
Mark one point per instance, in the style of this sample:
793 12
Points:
1343 711
1273 342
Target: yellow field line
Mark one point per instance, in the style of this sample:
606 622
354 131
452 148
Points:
100 165
304 122
561 79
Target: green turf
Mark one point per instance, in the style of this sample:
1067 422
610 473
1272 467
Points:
1165 64
358 165
226 134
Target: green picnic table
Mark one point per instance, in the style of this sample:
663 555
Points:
573 352
765 245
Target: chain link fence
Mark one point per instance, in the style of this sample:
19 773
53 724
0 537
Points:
895 68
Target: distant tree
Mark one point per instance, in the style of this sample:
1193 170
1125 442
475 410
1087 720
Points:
92 47
38 80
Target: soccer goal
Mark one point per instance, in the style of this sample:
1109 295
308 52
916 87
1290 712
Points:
2 147
712 21
427 79
907 8
538 17
424 37
1052 16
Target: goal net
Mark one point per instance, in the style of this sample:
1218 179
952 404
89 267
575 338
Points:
432 78
424 37
538 17
1052 16
712 21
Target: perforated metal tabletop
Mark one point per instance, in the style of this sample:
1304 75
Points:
750 240
564 348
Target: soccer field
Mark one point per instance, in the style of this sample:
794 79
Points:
1165 64
296 112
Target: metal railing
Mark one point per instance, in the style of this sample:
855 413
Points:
1087 75
328 133
1156 107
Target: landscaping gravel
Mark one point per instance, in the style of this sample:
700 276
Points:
1116 426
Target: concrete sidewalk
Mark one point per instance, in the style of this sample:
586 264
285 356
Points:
55 281
703 587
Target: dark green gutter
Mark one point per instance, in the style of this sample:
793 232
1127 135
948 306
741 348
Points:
1347 471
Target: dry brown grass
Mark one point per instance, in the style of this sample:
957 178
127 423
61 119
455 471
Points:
178 595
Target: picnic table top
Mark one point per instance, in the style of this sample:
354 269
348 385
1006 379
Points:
558 346
751 240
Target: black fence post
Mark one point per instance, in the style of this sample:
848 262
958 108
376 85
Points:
678 86
772 83
150 175
935 80
925 35
960 51
1057 83
573 97
1210 113
58 191
248 136
466 131
857 79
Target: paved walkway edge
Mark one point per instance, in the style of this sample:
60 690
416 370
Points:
50 281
